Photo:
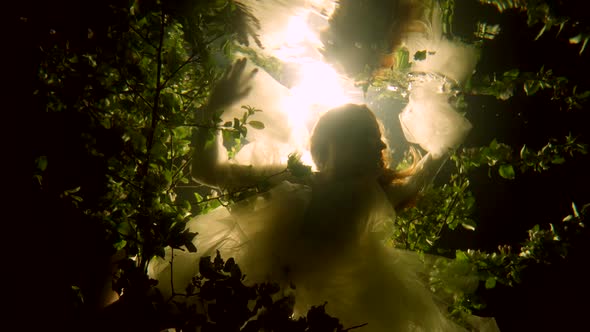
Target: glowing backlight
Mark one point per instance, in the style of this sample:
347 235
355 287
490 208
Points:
317 87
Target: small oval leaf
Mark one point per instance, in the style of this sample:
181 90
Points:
42 163
490 283
506 171
256 124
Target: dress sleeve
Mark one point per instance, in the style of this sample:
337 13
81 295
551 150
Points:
430 121
211 167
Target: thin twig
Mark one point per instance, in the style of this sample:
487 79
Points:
171 150
126 181
215 38
144 38
137 94
189 60
451 207
200 126
155 107
181 168
189 186
127 237
355 327
201 88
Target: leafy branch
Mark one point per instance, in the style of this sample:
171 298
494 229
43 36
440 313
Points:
224 304
419 227
156 103
506 267
507 85
502 156
550 15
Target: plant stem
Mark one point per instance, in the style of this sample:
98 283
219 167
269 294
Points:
155 107
189 60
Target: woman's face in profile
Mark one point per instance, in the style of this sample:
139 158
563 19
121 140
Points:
347 141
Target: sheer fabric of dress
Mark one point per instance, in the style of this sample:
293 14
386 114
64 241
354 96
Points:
429 119
327 241
328 237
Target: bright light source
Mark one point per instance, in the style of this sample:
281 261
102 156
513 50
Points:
319 87
297 30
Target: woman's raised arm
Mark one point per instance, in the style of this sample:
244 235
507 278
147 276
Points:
209 166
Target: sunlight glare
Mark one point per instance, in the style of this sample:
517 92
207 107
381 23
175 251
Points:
317 91
297 30
318 87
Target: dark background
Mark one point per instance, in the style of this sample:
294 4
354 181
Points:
551 298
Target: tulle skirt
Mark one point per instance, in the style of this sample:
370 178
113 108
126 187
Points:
362 281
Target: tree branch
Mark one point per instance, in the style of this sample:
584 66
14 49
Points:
155 107
144 38
180 169
451 207
189 60
137 94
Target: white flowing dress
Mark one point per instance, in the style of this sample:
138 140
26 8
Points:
328 241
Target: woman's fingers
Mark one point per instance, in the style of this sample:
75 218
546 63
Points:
252 74
242 82
233 86
237 69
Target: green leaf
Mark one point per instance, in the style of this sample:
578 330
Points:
296 167
506 171
187 205
230 139
576 39
120 244
468 227
490 283
190 247
256 124
198 197
420 55
461 256
493 145
512 74
558 160
41 163
524 152
531 87
575 209
402 59
547 25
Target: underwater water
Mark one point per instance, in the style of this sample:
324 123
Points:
311 82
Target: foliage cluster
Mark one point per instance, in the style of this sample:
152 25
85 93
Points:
550 14
128 93
222 302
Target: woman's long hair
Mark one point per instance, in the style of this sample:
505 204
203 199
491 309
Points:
364 34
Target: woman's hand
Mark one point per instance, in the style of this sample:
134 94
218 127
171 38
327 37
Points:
233 86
